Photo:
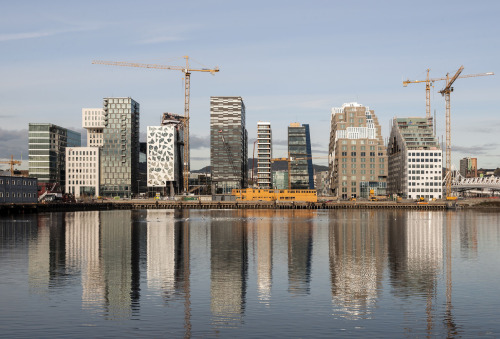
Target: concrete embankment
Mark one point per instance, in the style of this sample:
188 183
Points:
151 204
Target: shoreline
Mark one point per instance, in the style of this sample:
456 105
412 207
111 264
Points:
483 204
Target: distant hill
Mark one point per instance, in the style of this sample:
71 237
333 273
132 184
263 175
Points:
275 166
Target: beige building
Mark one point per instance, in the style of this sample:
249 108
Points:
357 156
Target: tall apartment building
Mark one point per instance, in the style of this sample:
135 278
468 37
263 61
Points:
47 152
119 161
165 154
228 144
299 149
357 155
93 122
415 159
468 167
264 155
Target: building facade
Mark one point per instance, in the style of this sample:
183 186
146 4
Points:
47 152
415 159
357 156
468 167
82 171
119 160
165 154
299 150
18 189
228 144
264 155
280 180
93 122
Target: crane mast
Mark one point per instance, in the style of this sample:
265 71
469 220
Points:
187 88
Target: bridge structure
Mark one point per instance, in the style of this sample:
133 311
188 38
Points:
480 185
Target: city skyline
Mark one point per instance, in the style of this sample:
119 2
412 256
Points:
299 60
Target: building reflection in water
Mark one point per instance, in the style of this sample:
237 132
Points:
260 229
300 246
47 254
468 237
229 266
357 247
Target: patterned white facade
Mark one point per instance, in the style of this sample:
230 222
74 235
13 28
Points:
161 155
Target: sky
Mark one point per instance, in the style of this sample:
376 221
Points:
290 61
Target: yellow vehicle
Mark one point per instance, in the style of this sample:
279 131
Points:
352 199
451 198
253 194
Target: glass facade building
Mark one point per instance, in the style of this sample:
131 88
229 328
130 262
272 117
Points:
47 151
228 144
119 159
299 150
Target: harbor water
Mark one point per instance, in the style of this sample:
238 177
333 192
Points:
250 274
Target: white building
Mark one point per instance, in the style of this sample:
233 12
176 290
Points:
415 160
82 171
92 120
264 155
82 163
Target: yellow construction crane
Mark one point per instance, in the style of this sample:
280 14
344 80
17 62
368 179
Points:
187 79
11 162
430 82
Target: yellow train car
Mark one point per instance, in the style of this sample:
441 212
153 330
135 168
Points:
255 194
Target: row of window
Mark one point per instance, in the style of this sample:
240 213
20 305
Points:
14 194
19 182
428 183
424 154
437 190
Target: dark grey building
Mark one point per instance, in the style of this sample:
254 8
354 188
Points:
299 147
120 150
47 152
18 189
228 144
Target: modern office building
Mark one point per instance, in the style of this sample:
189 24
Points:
280 180
299 150
18 189
119 160
357 155
415 159
82 171
264 155
228 144
468 167
165 154
322 183
47 152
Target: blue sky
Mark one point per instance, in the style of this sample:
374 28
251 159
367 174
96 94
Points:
291 61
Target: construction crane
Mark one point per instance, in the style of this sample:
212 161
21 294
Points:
289 161
11 162
429 82
187 87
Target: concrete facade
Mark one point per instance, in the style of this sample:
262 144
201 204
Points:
415 159
357 156
93 122
82 171
468 167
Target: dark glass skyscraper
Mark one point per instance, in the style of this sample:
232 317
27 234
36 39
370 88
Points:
228 144
120 150
299 149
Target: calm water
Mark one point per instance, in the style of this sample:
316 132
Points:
250 273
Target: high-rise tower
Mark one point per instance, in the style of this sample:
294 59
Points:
228 144
264 155
357 156
299 150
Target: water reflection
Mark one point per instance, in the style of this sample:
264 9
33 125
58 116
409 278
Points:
221 264
357 247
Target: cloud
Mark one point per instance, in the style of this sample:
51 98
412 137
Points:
14 142
43 33
476 150
196 142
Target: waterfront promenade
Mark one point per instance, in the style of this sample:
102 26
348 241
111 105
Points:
215 205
